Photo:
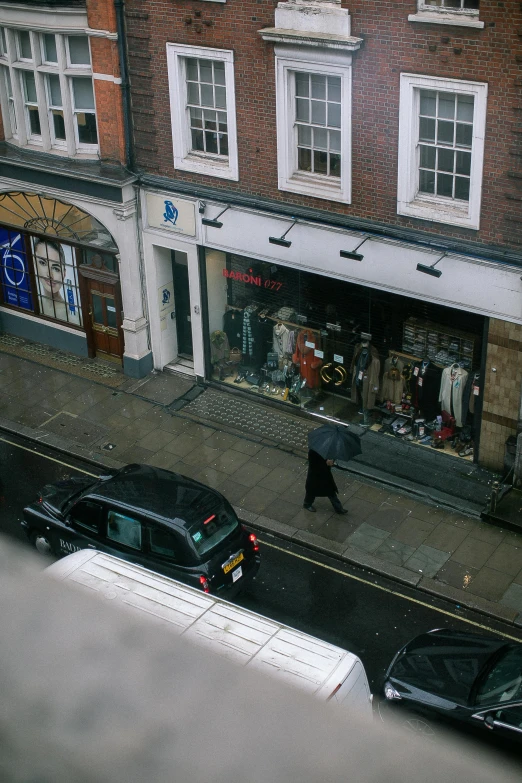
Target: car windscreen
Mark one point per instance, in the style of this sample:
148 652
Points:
503 680
212 530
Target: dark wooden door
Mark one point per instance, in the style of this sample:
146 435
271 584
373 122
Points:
182 304
105 319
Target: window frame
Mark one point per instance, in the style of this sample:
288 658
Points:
439 209
76 66
290 179
77 525
460 17
185 159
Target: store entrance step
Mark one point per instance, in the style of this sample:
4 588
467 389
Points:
182 366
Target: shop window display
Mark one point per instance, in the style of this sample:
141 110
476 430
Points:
339 350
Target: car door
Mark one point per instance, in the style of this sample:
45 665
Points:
504 721
123 535
167 553
83 527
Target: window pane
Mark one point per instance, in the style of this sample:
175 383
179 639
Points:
192 69
196 118
318 86
335 165
334 88
207 95
318 112
197 140
83 93
334 115
3 43
24 42
464 135
219 73
86 124
335 141
428 103
97 309
445 132
193 93
79 50
221 98
8 85
463 163
110 309
34 121
30 86
427 181
321 162
211 142
304 135
321 138
222 122
223 144
446 105
427 157
87 514
58 124
445 185
163 542
210 120
304 159
465 108
205 71
446 160
302 82
426 129
55 93
302 111
124 530
462 188
50 53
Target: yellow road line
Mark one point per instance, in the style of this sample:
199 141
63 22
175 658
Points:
52 459
391 592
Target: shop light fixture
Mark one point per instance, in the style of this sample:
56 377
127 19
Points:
430 270
353 253
281 240
215 222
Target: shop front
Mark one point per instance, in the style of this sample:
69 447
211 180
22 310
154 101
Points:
405 367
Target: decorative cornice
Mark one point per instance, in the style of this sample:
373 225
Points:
304 38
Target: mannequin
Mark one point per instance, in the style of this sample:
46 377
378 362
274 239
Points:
365 371
393 386
281 339
452 387
309 365
425 387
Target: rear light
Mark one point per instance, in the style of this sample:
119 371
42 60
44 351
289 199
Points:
253 539
205 584
40 498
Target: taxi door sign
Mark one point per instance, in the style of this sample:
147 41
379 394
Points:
16 284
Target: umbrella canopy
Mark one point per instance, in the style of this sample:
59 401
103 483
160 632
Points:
332 441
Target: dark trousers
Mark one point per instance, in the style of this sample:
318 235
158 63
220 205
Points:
334 500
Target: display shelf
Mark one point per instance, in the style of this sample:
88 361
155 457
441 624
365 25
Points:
441 345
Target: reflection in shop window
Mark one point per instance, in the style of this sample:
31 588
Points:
56 281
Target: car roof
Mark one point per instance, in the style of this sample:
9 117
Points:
160 493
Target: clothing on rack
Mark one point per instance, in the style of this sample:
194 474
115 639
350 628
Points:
233 327
425 387
365 369
219 347
292 334
281 340
248 334
393 385
309 364
452 387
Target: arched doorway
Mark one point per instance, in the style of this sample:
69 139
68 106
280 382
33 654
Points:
60 264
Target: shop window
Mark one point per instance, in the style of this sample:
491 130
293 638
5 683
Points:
56 278
463 13
202 103
42 102
313 127
441 149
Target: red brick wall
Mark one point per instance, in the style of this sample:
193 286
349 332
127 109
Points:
391 45
109 110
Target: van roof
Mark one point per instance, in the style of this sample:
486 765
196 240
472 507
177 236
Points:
242 636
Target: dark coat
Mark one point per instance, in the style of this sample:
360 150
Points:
319 481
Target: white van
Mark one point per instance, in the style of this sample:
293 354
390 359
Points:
247 638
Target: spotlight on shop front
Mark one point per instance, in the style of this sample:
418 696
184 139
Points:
353 254
215 222
281 240
430 270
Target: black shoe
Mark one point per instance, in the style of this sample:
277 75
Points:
310 508
341 510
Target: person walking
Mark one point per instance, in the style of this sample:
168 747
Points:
321 483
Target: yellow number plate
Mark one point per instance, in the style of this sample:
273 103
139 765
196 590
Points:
233 563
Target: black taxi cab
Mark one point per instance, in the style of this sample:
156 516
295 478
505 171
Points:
154 517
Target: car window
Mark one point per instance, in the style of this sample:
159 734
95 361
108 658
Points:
87 514
124 530
210 532
512 716
163 542
504 681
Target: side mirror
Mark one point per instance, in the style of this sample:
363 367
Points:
489 722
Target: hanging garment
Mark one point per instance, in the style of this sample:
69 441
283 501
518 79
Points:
219 347
233 327
452 387
248 335
281 340
291 341
309 364
365 369
425 388
393 385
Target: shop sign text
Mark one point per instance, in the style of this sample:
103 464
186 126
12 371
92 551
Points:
250 279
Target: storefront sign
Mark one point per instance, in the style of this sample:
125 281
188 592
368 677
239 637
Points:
250 279
166 303
14 273
171 213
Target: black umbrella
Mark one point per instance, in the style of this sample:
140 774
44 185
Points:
332 441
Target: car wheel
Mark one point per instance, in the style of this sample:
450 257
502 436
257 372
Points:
420 727
42 543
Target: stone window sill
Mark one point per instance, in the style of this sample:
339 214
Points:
456 20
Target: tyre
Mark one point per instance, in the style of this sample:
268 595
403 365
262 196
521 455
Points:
419 726
42 543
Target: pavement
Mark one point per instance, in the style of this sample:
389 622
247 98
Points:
418 527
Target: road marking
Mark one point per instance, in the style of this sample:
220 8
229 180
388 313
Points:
52 459
391 592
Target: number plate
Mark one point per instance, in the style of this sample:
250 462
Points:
237 574
233 563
